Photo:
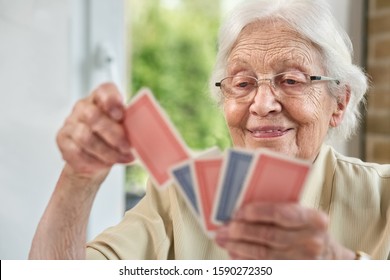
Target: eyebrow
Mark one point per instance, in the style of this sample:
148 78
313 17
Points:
289 63
292 63
238 65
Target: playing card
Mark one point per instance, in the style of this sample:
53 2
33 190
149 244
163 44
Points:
206 173
233 174
153 137
183 177
274 178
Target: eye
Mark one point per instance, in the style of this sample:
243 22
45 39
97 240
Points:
243 83
291 79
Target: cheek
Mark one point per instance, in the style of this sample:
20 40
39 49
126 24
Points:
313 116
315 108
234 114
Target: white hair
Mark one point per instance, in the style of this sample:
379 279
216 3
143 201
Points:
313 20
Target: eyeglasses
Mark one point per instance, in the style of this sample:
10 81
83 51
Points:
242 87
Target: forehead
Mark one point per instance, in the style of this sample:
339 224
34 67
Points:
271 46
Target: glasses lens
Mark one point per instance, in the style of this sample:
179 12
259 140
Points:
288 83
292 83
238 87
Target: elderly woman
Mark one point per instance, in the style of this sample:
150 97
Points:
285 81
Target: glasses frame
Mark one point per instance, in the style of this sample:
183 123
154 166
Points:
313 78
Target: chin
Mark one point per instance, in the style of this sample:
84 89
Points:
282 148
277 146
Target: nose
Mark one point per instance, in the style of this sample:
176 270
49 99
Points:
265 101
265 81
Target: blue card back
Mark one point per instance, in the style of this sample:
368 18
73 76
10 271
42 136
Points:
235 172
183 177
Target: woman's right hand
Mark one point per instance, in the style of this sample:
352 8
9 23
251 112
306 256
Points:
93 137
91 141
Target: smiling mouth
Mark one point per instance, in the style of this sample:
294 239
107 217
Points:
268 132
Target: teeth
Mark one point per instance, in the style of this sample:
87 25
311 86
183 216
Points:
265 131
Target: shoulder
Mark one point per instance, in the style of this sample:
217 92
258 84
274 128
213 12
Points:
343 171
355 165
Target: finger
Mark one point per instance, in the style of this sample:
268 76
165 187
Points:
289 215
112 132
79 160
91 144
108 99
312 249
309 239
248 251
265 234
308 244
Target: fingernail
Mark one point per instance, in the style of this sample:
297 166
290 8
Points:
126 158
116 114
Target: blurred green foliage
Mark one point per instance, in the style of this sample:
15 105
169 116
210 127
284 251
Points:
172 49
173 52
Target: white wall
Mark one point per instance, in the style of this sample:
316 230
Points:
34 91
46 64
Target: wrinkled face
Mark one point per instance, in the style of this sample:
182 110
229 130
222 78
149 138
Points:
293 125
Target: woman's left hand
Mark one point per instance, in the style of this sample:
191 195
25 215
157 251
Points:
279 231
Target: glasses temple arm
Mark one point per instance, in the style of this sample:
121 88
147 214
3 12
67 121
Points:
324 78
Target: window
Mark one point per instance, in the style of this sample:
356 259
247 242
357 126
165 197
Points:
171 50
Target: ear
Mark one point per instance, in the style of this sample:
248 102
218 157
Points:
341 107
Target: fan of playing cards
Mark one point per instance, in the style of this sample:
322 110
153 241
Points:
213 183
